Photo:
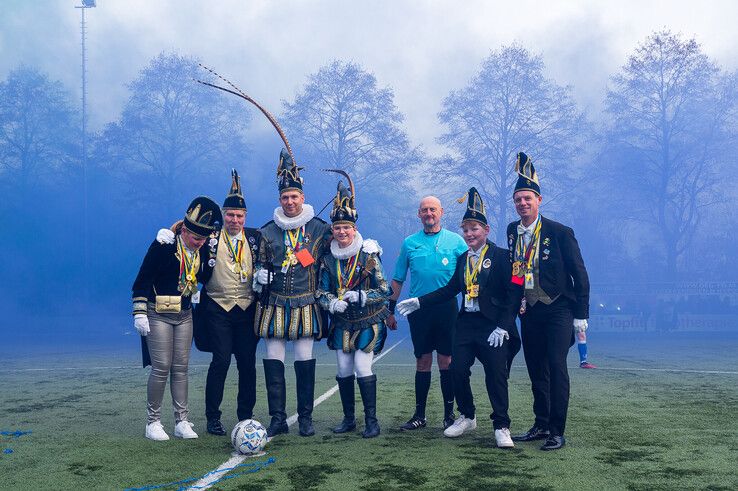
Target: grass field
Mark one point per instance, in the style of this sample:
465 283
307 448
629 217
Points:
636 423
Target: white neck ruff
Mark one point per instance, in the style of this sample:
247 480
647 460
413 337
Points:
348 251
290 223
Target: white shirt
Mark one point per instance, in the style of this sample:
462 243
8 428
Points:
527 232
235 238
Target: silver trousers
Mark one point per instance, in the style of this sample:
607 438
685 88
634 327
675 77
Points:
169 343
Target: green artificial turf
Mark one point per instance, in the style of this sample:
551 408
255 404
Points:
627 429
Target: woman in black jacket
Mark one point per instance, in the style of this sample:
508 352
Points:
162 298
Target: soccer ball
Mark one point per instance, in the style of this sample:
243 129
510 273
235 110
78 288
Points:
249 437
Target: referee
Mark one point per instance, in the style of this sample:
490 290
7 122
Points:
430 255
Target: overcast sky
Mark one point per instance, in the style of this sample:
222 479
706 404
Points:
422 49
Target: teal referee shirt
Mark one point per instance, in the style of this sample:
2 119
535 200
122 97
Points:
431 259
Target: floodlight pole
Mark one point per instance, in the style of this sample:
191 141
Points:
86 4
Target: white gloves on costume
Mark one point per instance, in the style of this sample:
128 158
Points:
407 307
351 296
497 337
165 236
337 306
581 325
263 277
141 323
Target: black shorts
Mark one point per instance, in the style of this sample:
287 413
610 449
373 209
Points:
432 328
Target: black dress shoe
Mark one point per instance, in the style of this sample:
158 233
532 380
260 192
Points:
277 427
348 424
215 427
554 443
535 433
306 426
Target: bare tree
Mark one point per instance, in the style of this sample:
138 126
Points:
173 131
342 119
37 131
508 107
667 113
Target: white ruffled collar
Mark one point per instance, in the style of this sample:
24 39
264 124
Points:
290 223
350 250
370 246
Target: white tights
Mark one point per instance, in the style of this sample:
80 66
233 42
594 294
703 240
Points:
275 349
358 360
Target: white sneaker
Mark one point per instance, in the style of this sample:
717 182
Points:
155 431
461 425
502 437
184 430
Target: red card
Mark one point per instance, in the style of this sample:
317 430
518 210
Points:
517 280
305 258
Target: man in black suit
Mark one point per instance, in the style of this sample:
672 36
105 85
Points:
547 264
224 318
485 326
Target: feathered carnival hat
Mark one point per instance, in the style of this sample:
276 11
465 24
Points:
527 176
288 174
344 204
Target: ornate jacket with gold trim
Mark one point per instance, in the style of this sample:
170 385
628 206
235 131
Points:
369 278
295 287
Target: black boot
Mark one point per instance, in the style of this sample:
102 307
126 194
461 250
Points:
346 389
305 378
276 395
368 389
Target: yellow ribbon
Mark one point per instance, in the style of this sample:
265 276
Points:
471 273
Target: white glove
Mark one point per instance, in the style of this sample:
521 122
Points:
165 236
351 296
141 322
497 337
407 307
264 277
581 325
337 306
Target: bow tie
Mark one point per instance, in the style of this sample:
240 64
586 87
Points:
523 230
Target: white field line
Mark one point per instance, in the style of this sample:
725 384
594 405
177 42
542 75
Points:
214 475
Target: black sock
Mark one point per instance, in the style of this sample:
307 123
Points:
447 389
422 386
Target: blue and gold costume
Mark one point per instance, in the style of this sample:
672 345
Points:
287 308
354 291
360 327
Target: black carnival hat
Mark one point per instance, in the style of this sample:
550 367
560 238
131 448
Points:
474 207
344 204
203 216
288 174
527 176
234 200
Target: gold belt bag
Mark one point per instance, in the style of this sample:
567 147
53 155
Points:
168 304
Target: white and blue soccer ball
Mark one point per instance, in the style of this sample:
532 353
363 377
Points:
249 437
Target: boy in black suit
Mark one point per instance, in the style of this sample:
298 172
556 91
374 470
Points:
485 326
547 264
